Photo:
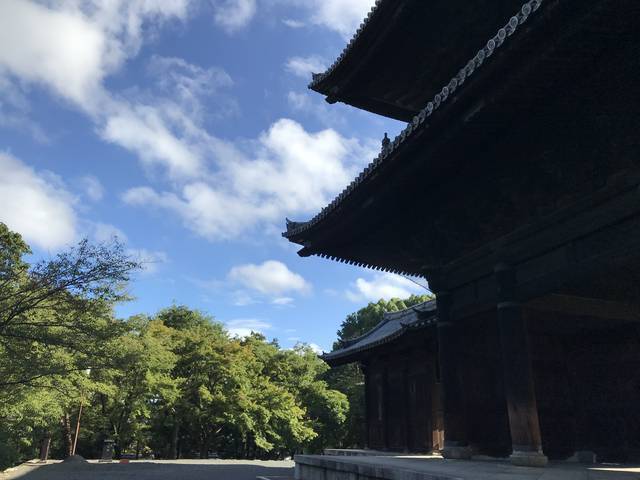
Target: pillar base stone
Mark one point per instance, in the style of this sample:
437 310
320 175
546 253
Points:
528 459
457 452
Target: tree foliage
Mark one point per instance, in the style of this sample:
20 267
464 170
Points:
174 384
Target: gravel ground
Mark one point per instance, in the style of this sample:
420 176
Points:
156 470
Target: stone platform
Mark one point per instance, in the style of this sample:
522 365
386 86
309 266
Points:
428 467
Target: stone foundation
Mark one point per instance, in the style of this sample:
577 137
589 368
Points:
427 467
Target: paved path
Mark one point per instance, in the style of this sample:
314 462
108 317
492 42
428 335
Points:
157 470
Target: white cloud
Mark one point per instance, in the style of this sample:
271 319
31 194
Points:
293 23
288 171
233 14
301 347
36 205
343 16
269 278
243 327
282 301
315 107
241 298
219 189
188 84
105 233
60 49
92 187
143 129
316 348
149 260
15 111
385 286
305 66
71 46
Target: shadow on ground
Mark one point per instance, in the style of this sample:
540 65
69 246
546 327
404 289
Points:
159 470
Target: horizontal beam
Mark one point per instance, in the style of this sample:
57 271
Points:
582 306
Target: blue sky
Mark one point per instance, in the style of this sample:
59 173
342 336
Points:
185 128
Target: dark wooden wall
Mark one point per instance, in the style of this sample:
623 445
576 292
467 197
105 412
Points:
488 424
403 410
587 386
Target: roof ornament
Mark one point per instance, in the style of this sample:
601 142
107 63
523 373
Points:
291 225
386 143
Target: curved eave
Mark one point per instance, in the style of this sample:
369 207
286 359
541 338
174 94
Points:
405 50
352 355
416 317
325 81
302 232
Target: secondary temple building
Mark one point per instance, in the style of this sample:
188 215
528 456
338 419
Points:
514 190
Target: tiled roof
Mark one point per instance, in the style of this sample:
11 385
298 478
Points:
392 326
418 122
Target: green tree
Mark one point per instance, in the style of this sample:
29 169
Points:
63 304
128 394
173 384
56 322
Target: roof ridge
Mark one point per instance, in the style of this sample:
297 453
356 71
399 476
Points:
418 120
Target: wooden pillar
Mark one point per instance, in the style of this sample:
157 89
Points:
385 404
367 404
406 415
455 421
518 379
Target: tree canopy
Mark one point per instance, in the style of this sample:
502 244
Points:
174 384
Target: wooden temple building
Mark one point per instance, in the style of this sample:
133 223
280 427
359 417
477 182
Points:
514 190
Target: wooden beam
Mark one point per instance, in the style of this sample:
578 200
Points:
589 307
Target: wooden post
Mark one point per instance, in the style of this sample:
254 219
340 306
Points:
518 379
406 415
455 422
367 404
385 404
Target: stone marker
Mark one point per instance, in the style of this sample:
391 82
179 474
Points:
107 451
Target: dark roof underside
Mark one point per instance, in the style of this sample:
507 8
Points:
437 193
407 49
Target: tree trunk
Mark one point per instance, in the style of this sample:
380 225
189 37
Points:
203 450
67 440
45 443
173 449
